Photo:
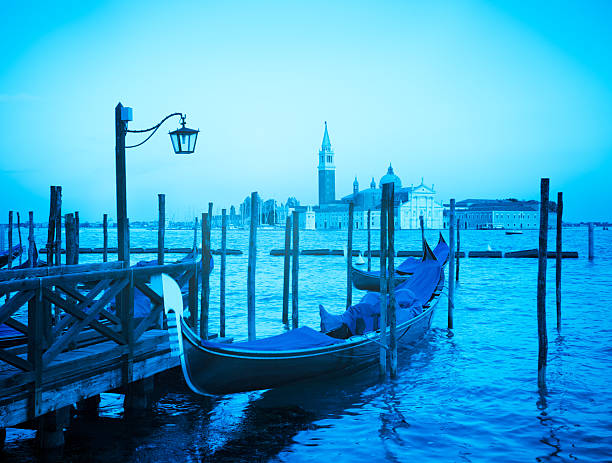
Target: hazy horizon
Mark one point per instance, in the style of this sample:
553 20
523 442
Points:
481 99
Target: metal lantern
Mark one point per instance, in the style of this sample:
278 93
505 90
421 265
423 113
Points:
184 139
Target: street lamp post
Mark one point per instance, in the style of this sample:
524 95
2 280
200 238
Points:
183 142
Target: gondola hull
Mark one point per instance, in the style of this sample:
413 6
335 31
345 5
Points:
370 281
222 370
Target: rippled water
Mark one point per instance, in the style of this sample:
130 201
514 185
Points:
469 395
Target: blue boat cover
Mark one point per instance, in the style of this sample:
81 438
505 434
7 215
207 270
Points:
410 296
300 338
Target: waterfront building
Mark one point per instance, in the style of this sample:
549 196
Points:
507 214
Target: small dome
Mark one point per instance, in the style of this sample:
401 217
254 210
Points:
390 177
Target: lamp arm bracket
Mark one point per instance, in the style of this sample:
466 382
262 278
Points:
152 129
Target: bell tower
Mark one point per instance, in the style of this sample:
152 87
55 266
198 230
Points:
327 171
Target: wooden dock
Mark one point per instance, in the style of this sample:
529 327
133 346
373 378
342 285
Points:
78 337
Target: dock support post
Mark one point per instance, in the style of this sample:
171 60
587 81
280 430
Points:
383 286
10 240
105 238
369 240
287 265
541 301
559 256
295 270
591 253
210 215
161 228
31 241
457 253
451 264
139 395
349 256
422 225
252 266
222 273
206 255
391 283
51 428
77 236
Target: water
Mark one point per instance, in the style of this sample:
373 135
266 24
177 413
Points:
470 395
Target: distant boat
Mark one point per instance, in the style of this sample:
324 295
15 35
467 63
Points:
514 232
370 281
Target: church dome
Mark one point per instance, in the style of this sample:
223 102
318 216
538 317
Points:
390 177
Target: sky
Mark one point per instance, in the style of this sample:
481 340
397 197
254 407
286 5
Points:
481 99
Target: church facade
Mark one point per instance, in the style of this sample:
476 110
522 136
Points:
410 202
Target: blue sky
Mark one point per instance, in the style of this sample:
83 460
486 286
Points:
479 98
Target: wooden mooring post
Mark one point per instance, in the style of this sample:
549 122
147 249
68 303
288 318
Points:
457 253
206 254
10 240
70 239
391 283
161 228
19 237
77 237
422 225
383 287
295 267
51 227
369 240
222 273
58 225
558 257
591 252
286 274
349 256
252 266
541 297
451 264
31 239
105 238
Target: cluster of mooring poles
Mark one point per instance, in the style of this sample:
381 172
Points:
542 263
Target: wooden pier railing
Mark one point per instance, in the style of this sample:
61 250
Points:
95 346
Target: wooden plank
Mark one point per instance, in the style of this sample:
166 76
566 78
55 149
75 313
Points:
86 301
14 360
149 292
148 321
39 272
14 304
286 274
51 227
71 309
17 325
58 225
62 342
73 292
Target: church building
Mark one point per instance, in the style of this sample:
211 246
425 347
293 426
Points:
410 202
